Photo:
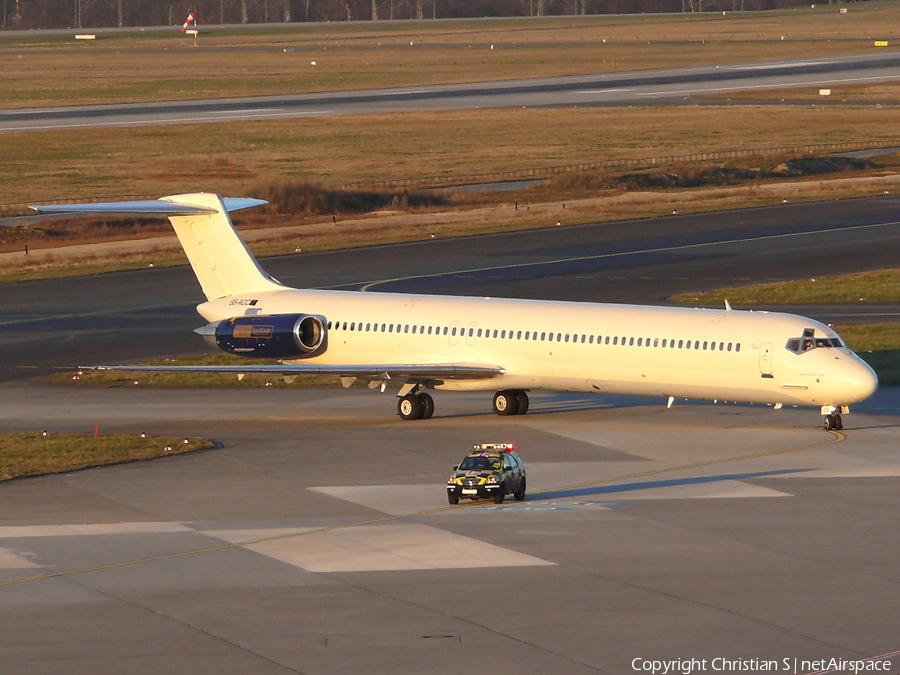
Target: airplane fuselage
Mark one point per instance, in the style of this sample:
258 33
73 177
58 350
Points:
585 347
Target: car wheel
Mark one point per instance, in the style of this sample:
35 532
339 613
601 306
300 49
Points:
452 497
519 494
499 494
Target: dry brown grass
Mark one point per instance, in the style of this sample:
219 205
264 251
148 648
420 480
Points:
390 228
154 66
246 157
229 158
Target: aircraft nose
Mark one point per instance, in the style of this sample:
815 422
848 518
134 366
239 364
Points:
861 382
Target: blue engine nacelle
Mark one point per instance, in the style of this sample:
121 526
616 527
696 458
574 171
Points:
279 336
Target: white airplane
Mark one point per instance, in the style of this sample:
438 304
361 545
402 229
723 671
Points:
493 344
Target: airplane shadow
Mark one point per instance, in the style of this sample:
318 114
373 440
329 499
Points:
589 491
562 403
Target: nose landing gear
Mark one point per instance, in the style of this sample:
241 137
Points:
832 415
833 422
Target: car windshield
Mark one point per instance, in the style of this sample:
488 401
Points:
479 464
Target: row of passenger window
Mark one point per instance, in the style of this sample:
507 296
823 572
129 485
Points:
543 336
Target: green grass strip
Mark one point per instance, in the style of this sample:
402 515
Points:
33 454
874 286
114 378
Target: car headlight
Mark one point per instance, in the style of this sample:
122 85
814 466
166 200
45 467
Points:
492 479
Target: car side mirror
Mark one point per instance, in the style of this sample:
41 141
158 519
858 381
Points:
456 468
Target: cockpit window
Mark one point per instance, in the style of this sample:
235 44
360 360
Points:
808 342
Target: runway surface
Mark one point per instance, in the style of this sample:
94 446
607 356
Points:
150 313
317 540
628 88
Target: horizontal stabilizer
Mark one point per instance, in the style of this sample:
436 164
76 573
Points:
150 207
365 372
219 257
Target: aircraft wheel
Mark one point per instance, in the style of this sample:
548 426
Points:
505 403
838 422
519 494
829 422
410 407
427 406
521 402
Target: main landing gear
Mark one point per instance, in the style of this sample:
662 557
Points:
511 402
419 406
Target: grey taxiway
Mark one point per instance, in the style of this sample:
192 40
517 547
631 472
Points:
317 538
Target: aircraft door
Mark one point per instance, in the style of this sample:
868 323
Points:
470 333
765 359
455 327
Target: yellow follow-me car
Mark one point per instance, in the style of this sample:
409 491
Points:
492 471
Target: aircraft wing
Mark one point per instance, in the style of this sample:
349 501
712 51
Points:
402 372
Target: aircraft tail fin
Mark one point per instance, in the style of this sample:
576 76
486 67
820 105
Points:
220 258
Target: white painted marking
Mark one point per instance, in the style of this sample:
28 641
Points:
243 536
375 548
555 505
872 471
772 66
240 111
604 91
411 90
11 561
165 120
397 500
21 531
717 489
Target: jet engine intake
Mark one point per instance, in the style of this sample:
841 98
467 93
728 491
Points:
278 336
